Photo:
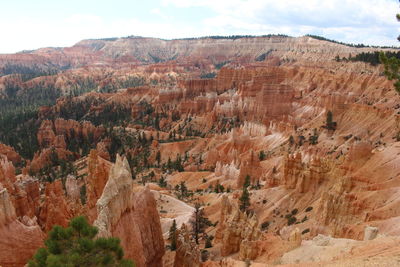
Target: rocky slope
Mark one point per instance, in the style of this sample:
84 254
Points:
314 140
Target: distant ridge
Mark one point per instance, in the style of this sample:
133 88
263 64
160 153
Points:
235 37
231 37
321 38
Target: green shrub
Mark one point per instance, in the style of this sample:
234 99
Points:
305 231
76 245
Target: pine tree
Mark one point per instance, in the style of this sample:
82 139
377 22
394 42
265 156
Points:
291 140
158 157
183 191
76 246
330 124
392 66
172 236
199 222
162 182
244 200
392 69
246 181
262 155
169 164
208 243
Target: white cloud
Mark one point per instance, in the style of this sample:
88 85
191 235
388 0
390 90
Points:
368 21
36 33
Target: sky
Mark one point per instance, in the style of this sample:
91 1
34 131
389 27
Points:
32 24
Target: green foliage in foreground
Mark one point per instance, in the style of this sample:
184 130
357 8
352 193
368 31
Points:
392 66
76 246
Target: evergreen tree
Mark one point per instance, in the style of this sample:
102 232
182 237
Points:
392 69
313 139
169 164
244 200
291 140
199 222
219 188
246 181
392 66
183 191
158 157
82 193
208 243
172 236
330 124
162 182
76 246
262 155
178 164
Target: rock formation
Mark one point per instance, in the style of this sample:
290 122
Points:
370 233
9 153
98 173
301 176
19 240
187 252
131 215
295 238
269 94
55 209
237 231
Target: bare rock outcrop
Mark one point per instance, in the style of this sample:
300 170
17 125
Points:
19 240
24 193
187 252
9 153
98 172
130 214
295 238
370 233
301 176
237 231
55 209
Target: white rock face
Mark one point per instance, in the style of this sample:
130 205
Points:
321 240
72 187
116 197
130 213
7 211
295 238
321 248
253 129
370 233
227 171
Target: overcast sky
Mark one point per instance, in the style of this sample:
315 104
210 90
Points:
31 24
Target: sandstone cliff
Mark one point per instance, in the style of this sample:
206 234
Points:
237 231
19 239
187 252
131 215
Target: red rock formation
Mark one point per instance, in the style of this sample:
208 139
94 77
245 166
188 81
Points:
55 209
234 228
187 252
26 197
301 176
98 172
255 106
43 158
45 135
19 240
9 153
132 216
53 134
7 174
250 166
